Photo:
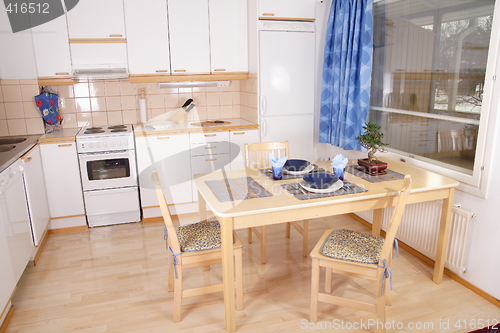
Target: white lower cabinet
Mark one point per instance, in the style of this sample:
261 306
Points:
169 154
179 157
36 194
209 152
64 189
238 139
15 236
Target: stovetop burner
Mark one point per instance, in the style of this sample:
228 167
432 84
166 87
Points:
98 131
93 131
115 127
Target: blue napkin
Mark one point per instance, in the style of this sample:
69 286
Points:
277 162
339 163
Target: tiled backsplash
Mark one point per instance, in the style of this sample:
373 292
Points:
116 102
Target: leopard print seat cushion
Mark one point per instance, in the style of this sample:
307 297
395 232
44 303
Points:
353 246
200 236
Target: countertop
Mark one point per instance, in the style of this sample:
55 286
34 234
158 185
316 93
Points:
66 134
229 124
9 157
69 134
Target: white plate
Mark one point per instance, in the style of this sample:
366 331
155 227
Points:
308 169
334 187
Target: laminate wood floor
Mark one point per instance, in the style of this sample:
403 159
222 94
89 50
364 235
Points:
114 279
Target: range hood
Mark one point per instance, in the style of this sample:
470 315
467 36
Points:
90 74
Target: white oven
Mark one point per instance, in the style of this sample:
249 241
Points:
105 170
109 175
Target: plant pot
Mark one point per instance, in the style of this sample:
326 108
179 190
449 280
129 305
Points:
376 168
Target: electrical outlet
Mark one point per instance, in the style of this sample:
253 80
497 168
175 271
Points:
223 84
62 103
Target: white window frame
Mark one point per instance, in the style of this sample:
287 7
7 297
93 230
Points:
477 183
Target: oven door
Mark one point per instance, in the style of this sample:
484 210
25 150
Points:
106 170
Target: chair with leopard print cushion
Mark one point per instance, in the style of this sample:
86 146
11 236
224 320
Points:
195 245
352 253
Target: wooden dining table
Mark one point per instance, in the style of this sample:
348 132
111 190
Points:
282 206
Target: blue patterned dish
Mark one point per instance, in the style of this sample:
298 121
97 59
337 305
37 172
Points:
320 180
296 165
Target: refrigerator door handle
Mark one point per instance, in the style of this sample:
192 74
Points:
263 105
263 128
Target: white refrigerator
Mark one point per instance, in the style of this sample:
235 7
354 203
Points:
286 85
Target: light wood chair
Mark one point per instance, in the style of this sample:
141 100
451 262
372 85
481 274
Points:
450 141
357 254
195 245
257 156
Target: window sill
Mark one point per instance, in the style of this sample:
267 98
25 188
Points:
476 190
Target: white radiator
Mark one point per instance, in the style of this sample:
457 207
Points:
419 229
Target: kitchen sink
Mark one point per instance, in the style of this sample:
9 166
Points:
8 141
4 148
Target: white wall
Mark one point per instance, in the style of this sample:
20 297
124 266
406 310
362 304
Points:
483 266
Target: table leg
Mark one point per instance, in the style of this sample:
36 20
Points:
202 207
228 272
444 232
377 221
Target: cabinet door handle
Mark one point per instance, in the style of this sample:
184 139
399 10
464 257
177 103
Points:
28 159
210 147
163 137
62 73
267 14
239 133
179 70
162 71
116 35
211 159
65 145
219 70
210 135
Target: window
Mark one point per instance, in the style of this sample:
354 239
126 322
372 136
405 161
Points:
430 91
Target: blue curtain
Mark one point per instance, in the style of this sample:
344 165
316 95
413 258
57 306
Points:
347 68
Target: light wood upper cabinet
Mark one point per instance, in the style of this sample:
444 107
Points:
287 9
97 19
147 44
228 36
189 36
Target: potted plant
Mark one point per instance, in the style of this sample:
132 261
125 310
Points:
372 140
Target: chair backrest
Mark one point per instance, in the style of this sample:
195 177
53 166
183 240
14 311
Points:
173 241
453 140
257 154
392 229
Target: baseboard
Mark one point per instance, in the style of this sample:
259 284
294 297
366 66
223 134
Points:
152 219
431 263
40 247
175 216
7 319
60 230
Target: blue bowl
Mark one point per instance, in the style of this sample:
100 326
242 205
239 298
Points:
320 180
296 165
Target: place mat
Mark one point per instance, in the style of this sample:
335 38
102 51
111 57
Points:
241 188
302 194
360 172
269 173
